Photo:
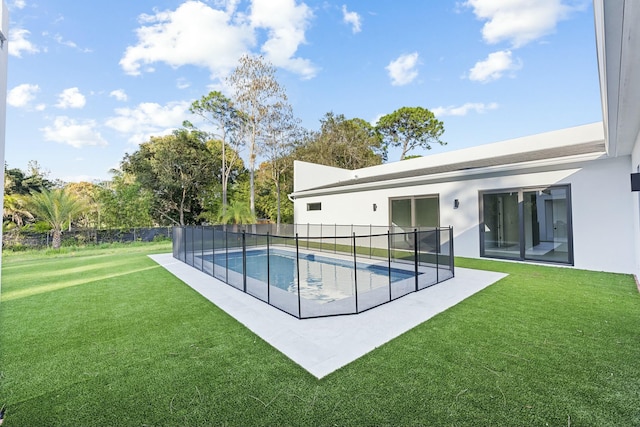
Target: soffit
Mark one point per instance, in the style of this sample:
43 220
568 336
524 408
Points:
618 39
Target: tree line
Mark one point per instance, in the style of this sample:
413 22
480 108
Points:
197 173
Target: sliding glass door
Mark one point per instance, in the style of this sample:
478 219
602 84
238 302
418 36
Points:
527 224
546 225
501 228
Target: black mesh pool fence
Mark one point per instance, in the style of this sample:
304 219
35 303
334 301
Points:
319 270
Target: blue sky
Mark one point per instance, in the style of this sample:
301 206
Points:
89 80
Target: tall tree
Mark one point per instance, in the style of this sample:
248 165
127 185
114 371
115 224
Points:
174 168
266 202
124 202
17 181
281 130
37 177
88 193
55 207
343 143
409 128
212 197
256 91
219 111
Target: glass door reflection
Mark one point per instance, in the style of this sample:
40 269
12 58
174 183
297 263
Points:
546 222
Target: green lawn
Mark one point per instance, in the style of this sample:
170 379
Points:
106 337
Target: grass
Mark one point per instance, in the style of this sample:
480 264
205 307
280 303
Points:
106 337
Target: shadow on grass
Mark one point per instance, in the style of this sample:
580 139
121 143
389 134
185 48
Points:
41 289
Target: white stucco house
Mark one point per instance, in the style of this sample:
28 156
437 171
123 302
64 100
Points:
562 197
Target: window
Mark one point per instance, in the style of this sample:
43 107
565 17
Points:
408 213
415 211
314 206
527 224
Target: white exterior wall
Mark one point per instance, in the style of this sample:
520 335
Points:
308 175
635 202
600 198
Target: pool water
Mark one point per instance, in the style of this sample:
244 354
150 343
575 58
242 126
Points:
322 278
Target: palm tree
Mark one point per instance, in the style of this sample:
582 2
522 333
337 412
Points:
55 207
237 213
14 210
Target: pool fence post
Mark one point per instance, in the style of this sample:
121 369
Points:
415 254
202 248
370 241
193 248
184 234
244 261
298 275
268 271
335 238
451 258
355 270
389 260
213 250
438 231
226 255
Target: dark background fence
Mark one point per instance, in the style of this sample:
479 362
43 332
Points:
249 259
15 239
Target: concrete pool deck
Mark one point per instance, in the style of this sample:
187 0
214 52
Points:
324 345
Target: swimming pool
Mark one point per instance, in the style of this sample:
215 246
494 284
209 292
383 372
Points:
322 278
318 276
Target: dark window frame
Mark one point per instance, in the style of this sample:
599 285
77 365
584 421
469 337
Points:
521 223
315 206
413 199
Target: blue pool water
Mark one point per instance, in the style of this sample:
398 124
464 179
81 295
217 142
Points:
321 277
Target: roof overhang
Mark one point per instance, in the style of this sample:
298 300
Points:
618 50
542 152
576 161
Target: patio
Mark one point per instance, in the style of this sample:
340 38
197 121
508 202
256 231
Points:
323 345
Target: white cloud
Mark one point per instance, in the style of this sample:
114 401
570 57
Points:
286 24
74 133
196 34
19 44
519 21
463 110
58 38
71 98
149 119
19 4
182 83
403 70
21 95
119 94
352 18
192 34
494 67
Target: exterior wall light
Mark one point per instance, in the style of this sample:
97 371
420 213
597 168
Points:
456 204
375 207
635 182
